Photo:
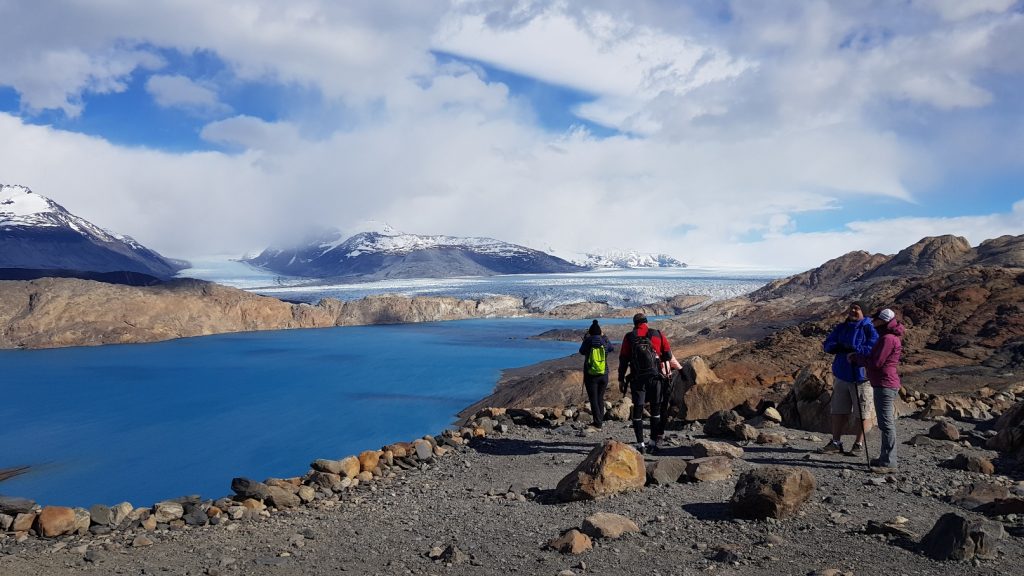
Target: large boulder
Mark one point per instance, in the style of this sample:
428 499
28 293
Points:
666 471
247 488
771 492
610 468
1010 438
807 406
13 506
723 423
955 537
703 393
56 521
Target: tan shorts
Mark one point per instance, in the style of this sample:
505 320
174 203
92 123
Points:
850 398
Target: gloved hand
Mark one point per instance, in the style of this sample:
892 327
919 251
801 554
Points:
622 386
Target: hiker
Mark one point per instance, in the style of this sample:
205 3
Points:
881 366
851 393
645 353
595 349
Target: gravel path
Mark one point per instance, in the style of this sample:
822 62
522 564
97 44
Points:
390 526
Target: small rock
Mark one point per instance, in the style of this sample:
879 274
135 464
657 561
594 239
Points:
944 431
973 463
165 512
709 469
705 448
141 541
571 542
607 525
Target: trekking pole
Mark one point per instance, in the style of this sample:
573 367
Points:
864 430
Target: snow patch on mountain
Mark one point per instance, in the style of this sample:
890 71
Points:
20 207
621 259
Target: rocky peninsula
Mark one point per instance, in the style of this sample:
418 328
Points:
56 312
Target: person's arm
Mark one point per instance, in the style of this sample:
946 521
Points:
832 344
879 354
585 346
608 345
623 359
869 336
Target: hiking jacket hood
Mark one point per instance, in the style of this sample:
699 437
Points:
882 364
593 341
857 337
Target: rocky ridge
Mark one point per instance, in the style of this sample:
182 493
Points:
961 307
54 312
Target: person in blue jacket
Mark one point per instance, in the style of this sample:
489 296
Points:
851 393
595 384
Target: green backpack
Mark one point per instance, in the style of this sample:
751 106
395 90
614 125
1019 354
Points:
596 361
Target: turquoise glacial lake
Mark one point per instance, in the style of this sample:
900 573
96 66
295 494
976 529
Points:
148 422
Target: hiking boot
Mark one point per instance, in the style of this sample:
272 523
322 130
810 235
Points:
856 449
641 447
881 470
654 446
832 447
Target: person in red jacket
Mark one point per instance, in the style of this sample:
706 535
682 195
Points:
645 353
882 366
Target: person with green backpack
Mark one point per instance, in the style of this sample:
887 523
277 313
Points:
595 349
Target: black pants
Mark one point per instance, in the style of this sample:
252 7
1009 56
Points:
596 386
643 390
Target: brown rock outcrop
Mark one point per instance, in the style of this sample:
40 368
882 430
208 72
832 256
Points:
610 468
771 492
55 312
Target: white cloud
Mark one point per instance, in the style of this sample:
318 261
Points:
738 125
962 9
57 78
171 91
622 65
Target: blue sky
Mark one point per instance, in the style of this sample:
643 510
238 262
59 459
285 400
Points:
718 132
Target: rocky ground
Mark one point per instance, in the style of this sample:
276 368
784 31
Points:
489 508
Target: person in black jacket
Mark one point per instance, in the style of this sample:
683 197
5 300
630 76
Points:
595 383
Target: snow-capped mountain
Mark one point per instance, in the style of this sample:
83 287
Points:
36 233
625 259
379 251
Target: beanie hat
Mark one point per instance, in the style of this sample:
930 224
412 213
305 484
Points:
858 304
885 315
595 329
639 318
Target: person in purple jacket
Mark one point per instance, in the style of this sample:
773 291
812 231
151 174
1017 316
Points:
881 366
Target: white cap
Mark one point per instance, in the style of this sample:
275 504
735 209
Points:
885 315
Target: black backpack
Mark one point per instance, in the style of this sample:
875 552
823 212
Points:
643 358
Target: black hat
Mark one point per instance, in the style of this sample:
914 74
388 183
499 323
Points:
860 305
639 319
595 329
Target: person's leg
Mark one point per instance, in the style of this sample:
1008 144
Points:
858 410
638 392
597 399
840 406
654 397
885 399
590 385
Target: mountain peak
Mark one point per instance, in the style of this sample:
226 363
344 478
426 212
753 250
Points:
17 202
373 227
37 233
